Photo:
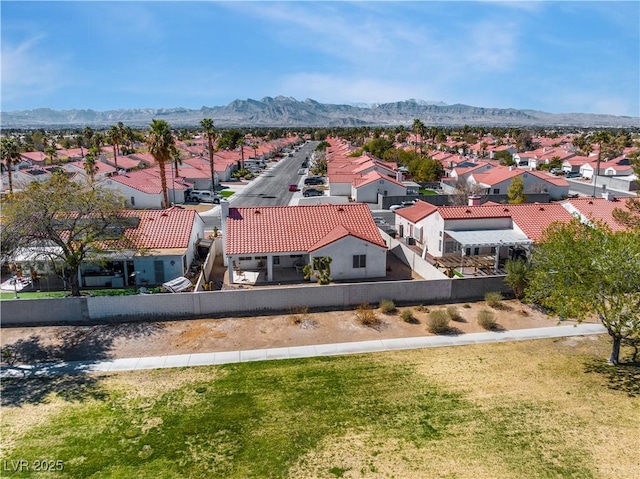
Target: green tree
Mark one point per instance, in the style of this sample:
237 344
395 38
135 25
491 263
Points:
631 216
378 146
90 166
418 128
210 133
517 276
601 138
580 269
504 158
114 136
11 156
229 139
515 192
159 141
66 222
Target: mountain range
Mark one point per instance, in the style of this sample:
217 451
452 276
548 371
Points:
288 112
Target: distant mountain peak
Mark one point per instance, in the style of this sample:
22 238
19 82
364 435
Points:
283 111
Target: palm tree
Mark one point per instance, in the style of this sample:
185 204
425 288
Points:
418 130
79 143
90 166
51 152
10 156
159 141
209 130
114 136
602 138
255 150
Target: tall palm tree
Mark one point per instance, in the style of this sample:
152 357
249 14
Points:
10 156
418 130
255 150
602 138
90 166
79 143
210 131
159 142
114 136
51 152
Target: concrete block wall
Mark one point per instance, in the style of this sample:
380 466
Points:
222 303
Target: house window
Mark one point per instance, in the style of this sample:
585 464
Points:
295 256
133 201
476 251
496 191
359 260
440 245
448 247
276 260
245 258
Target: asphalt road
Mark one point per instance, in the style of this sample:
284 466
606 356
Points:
583 188
270 189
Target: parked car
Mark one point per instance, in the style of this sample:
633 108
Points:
557 171
293 188
202 196
314 180
312 192
573 174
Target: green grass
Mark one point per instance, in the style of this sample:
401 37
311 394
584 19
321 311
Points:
466 412
62 294
424 191
226 193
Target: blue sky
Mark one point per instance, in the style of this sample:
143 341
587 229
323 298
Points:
552 56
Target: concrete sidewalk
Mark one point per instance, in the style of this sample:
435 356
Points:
226 357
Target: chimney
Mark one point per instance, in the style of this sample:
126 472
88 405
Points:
399 176
474 200
607 195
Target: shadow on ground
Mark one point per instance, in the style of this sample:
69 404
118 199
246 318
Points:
71 343
624 377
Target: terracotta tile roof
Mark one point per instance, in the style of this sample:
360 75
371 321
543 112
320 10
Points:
373 176
548 177
478 212
147 180
496 175
291 229
420 210
161 229
534 218
595 209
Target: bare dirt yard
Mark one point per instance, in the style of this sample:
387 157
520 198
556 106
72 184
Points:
110 341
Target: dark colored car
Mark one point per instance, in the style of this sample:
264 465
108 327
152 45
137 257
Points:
312 192
314 180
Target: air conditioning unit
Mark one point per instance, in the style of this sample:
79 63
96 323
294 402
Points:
410 240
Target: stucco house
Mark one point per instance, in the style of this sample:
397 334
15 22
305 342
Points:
275 240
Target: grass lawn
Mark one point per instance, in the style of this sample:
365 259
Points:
226 193
423 191
535 409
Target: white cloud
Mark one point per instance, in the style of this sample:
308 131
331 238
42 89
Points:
27 72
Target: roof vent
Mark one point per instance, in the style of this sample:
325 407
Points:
467 211
164 213
542 208
256 212
590 202
506 210
340 208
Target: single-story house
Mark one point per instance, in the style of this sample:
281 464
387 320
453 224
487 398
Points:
277 239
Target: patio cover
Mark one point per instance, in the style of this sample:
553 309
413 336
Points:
489 238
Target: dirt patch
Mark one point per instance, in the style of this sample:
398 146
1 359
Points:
49 343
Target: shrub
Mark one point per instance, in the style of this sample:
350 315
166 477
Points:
493 299
466 305
421 308
438 321
407 316
299 314
453 314
387 306
487 319
366 316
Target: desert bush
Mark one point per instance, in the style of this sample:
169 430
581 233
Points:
438 321
387 306
366 316
487 319
407 316
454 314
524 312
421 308
299 314
493 299
466 305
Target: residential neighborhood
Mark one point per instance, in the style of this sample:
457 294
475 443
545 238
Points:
320 240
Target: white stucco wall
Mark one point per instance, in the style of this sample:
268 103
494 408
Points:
369 193
141 200
342 252
339 189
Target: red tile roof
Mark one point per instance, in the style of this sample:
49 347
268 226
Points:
598 209
290 229
162 229
420 210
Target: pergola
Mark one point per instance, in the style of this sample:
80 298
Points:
482 238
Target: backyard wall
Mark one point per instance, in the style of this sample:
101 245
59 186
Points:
247 301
